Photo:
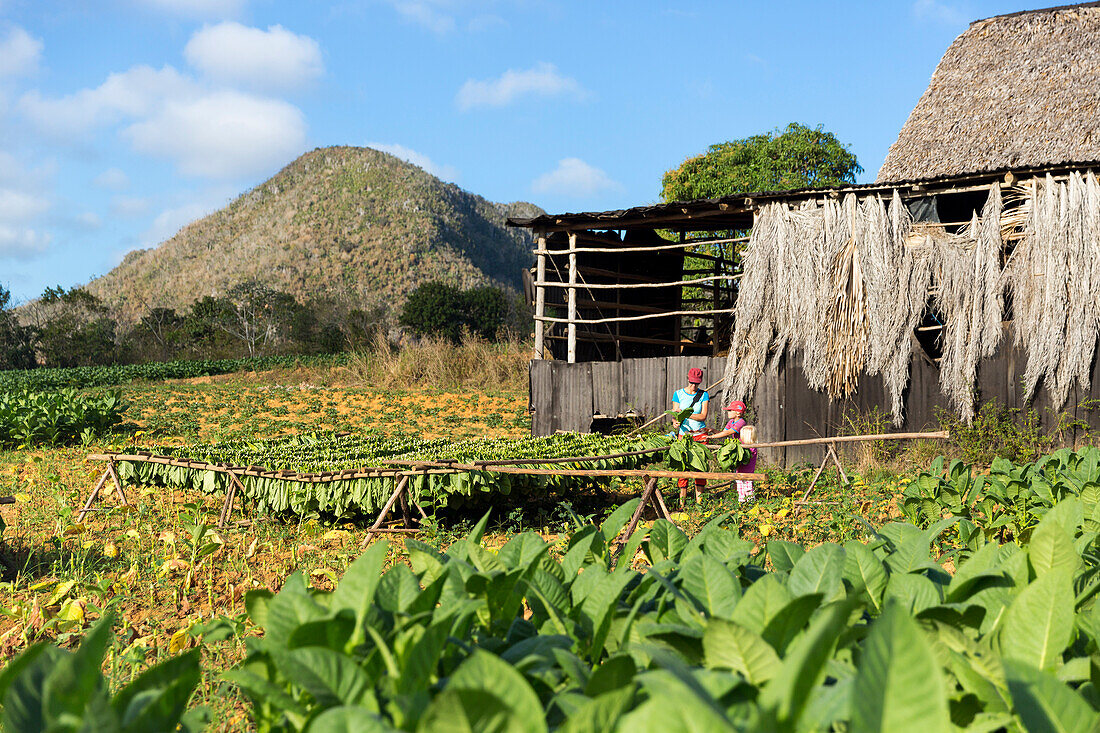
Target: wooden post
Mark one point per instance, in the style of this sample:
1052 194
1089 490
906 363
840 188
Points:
118 483
714 319
112 474
677 334
571 355
830 454
540 298
650 487
227 507
401 483
93 496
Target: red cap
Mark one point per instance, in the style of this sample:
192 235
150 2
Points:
695 375
736 405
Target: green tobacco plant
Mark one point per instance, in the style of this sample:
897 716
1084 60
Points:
65 416
50 689
1009 502
684 454
715 635
732 454
117 374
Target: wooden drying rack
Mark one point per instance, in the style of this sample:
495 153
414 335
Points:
402 475
405 469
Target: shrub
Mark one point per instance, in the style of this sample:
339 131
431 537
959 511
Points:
438 309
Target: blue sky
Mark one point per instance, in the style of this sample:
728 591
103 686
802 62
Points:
122 120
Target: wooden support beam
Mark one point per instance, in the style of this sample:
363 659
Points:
227 506
647 494
571 328
622 319
109 473
594 336
572 285
936 435
625 249
540 299
397 491
93 496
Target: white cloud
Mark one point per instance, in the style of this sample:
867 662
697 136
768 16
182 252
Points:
18 209
198 8
129 206
113 179
237 54
573 177
446 172
222 134
89 220
20 206
213 133
19 53
21 242
543 80
940 12
435 15
132 93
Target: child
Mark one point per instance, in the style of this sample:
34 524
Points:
735 411
745 491
695 398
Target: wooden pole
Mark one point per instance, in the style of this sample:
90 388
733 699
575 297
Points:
830 454
594 472
93 496
937 435
537 461
682 244
571 329
401 483
625 286
621 319
118 483
661 503
540 298
647 494
227 507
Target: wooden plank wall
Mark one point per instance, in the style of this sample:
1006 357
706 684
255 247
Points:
565 396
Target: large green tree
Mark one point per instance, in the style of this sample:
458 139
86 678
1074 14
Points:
797 157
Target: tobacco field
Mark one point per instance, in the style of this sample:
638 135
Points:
954 597
713 633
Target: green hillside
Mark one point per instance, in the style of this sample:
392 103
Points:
338 220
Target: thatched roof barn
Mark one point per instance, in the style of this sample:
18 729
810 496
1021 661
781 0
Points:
969 272
1014 91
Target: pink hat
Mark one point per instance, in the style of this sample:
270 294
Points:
695 375
736 405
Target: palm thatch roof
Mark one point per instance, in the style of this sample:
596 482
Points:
1013 91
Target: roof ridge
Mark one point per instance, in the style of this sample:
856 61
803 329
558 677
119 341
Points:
1055 8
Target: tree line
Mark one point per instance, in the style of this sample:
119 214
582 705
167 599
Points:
68 328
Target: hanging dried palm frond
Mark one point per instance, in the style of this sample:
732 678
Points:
846 283
898 276
1054 274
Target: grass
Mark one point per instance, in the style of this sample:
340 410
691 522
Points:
169 576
